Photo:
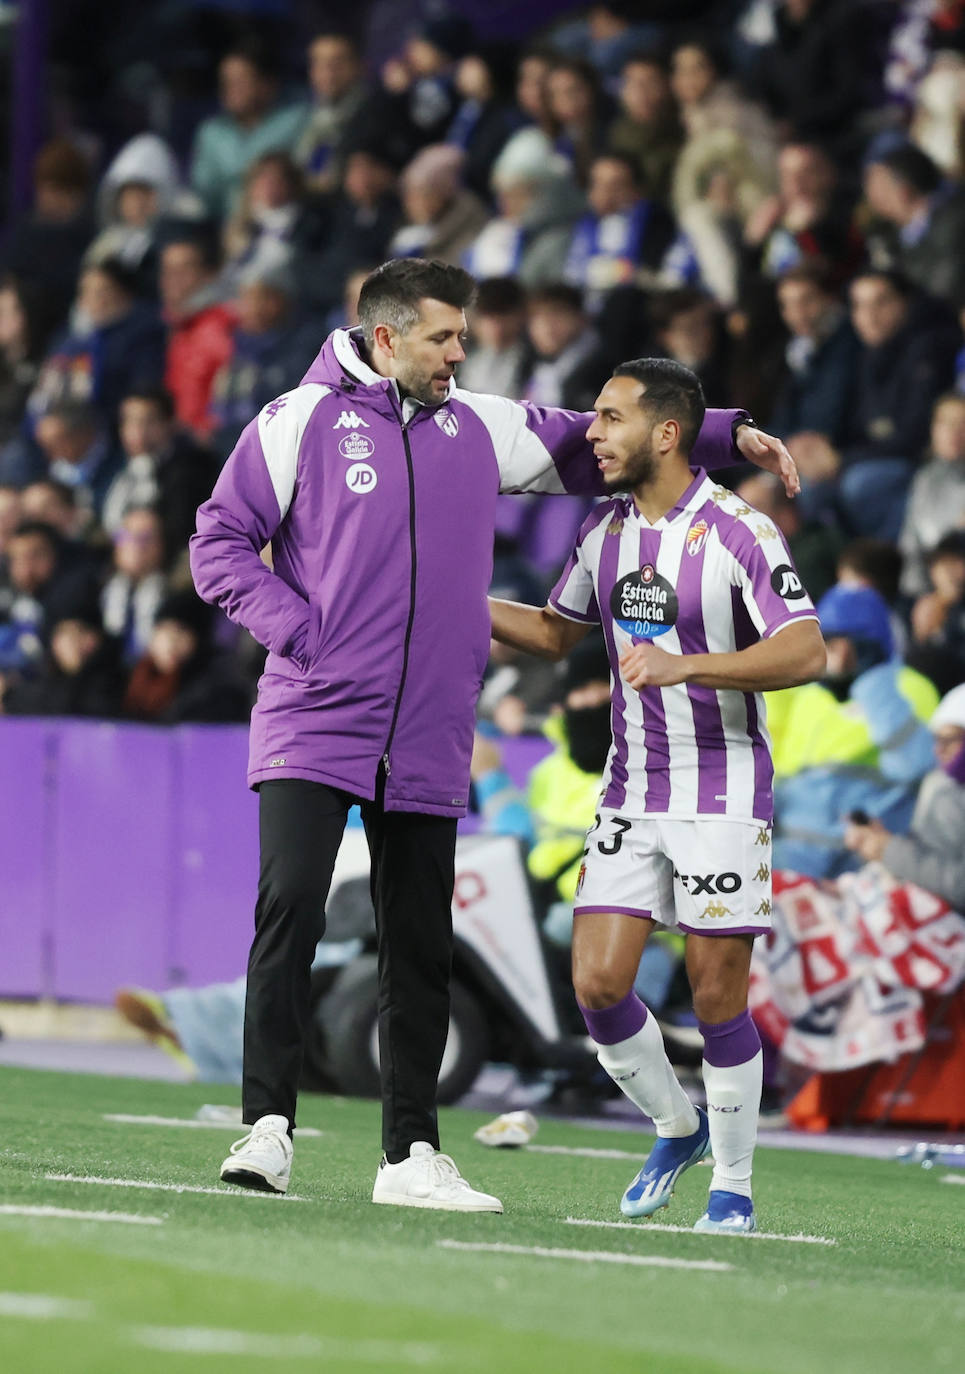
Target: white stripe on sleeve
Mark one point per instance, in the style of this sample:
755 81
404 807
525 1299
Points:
524 461
281 425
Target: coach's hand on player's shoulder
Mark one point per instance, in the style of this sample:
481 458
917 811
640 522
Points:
769 452
644 665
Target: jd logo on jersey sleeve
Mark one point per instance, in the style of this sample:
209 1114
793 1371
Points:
786 583
644 604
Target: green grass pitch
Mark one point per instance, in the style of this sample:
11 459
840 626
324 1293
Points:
238 1281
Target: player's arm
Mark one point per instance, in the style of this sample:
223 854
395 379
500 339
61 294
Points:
533 629
794 655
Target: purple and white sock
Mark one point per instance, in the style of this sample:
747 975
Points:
630 1047
733 1073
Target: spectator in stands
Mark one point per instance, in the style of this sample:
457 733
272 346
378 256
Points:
11 514
810 216
45 247
275 224
538 205
484 118
623 237
199 326
55 504
904 362
822 70
906 188
138 584
607 35
570 363
721 125
497 358
181 676
40 587
140 187
24 329
115 342
814 545
272 349
931 855
857 741
365 215
81 673
580 113
339 94
936 502
687 327
647 127
252 122
938 616
165 468
821 355
442 217
79 451
419 96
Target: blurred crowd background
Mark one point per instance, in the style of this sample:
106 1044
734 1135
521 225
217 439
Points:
769 191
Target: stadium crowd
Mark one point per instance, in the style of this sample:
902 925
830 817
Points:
768 191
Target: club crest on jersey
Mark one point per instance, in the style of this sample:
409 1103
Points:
447 422
355 447
349 420
696 537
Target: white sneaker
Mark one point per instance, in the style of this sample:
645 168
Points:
261 1159
429 1179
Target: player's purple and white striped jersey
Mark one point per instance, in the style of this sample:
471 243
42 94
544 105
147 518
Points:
712 576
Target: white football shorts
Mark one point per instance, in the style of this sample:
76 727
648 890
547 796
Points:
704 877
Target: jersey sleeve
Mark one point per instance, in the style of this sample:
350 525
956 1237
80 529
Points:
574 595
770 587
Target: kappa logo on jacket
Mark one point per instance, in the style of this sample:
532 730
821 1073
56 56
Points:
349 420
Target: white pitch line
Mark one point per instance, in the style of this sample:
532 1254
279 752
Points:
43 1306
127 1120
581 1152
643 1227
952 1178
586 1256
205 1340
72 1214
172 1187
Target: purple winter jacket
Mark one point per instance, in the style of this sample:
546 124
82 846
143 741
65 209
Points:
381 535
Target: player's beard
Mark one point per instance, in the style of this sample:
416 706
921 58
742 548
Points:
415 382
639 471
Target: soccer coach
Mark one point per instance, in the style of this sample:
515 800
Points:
375 483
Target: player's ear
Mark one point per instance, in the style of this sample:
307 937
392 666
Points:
384 338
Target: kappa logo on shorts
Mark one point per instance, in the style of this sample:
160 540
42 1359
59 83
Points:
764 908
716 909
710 883
763 873
763 836
349 420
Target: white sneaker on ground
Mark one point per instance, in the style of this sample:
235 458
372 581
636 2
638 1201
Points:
429 1179
261 1159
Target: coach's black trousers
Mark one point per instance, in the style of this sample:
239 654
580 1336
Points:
413 857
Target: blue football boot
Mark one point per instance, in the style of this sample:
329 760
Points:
654 1184
727 1214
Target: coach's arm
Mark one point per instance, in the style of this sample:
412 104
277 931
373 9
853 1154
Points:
794 655
535 630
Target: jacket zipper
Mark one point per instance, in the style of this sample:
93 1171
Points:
386 763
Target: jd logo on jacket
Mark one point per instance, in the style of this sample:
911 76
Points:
360 478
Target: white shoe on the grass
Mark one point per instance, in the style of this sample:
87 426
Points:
262 1159
429 1179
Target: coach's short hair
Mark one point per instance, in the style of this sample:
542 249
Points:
671 391
391 294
